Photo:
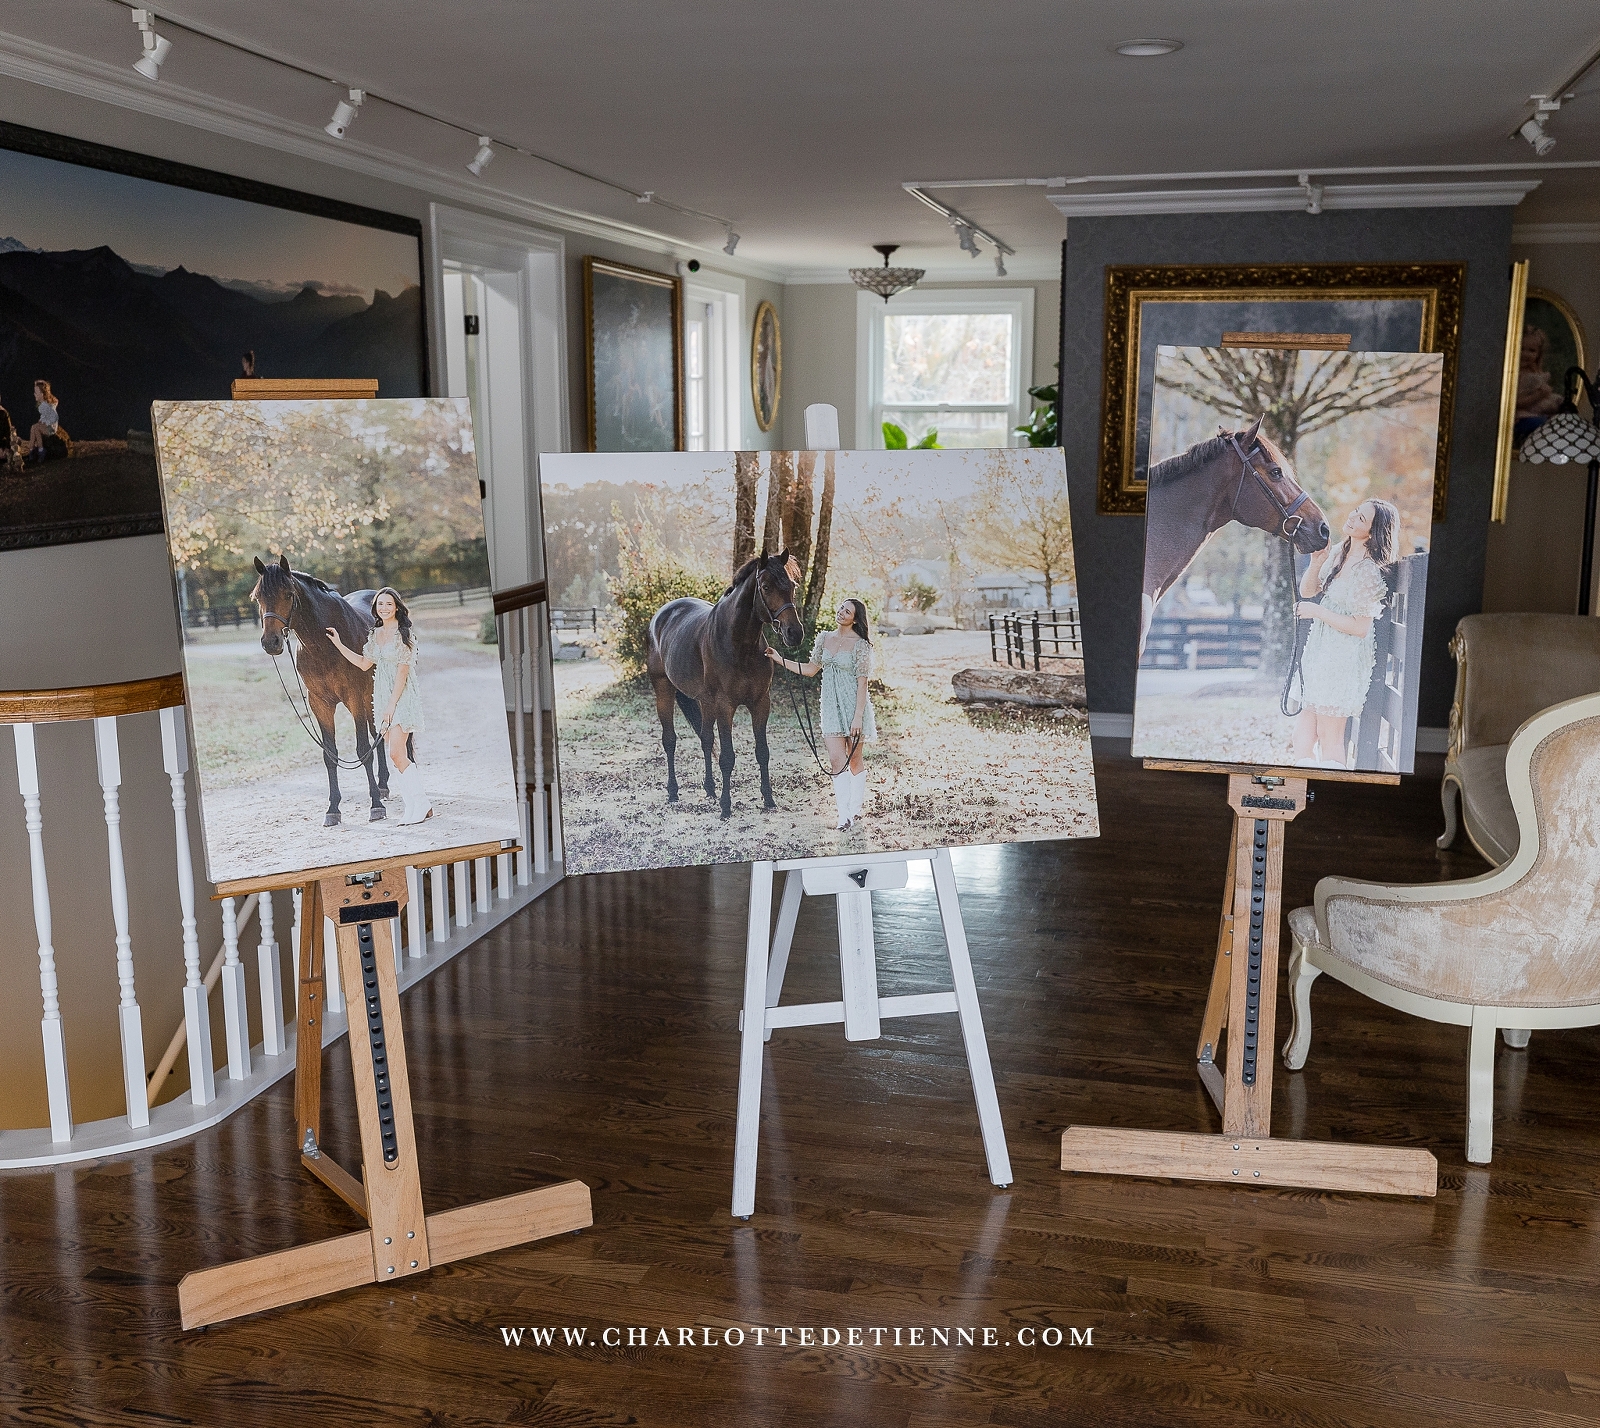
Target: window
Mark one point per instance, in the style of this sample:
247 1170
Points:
957 361
697 417
712 369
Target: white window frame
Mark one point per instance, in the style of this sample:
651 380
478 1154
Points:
870 313
726 357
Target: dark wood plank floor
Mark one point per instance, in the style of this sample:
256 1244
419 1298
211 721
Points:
594 1036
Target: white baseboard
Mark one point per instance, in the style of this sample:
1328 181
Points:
1120 726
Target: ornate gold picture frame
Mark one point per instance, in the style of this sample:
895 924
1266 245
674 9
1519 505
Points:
633 353
766 365
1393 307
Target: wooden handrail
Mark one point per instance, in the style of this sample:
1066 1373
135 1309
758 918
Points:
90 701
519 597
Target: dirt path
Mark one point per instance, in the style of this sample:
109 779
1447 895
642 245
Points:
941 775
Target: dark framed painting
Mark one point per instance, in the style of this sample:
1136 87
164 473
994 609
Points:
126 280
633 347
1382 307
766 365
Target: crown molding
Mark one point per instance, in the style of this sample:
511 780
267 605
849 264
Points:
1555 233
1283 199
30 62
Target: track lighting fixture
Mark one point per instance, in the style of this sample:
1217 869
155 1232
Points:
344 113
731 244
1533 132
156 48
967 239
483 157
999 264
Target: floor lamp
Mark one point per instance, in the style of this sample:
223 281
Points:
1568 437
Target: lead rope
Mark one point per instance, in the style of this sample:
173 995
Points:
302 716
802 713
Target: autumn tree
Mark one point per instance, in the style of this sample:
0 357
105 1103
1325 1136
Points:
817 581
746 476
1295 393
1022 521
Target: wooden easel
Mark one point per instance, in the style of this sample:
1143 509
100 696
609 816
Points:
401 1240
1243 1000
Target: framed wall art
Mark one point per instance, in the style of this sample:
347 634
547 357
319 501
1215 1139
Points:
633 348
921 602
356 712
1382 307
766 366
126 280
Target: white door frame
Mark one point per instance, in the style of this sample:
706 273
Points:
538 259
728 356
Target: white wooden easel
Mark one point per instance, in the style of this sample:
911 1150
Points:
851 881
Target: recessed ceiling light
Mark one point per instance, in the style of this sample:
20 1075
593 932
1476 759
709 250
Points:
1144 49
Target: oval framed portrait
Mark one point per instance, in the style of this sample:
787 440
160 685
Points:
766 366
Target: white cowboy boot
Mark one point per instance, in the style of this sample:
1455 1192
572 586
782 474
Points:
841 797
858 793
417 805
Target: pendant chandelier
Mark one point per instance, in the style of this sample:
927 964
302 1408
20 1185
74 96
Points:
886 281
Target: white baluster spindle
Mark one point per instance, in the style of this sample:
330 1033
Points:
416 916
55 1046
482 871
269 977
513 625
463 893
235 1011
108 762
441 904
196 1007
541 841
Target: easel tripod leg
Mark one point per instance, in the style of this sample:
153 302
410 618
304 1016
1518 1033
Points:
955 934
1216 1014
783 937
752 1034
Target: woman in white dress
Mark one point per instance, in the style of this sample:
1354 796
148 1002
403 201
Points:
1336 667
391 653
844 660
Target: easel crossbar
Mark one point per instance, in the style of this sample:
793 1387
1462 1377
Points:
831 1013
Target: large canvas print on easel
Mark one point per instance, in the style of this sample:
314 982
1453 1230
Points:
1288 522
802 654
348 707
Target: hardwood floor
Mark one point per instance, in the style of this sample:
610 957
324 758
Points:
594 1036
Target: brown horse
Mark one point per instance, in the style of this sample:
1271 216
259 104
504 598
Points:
292 600
708 658
1235 476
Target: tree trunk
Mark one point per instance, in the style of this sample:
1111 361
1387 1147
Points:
819 560
780 476
746 473
797 516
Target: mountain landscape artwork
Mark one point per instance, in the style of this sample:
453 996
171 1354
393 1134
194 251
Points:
119 289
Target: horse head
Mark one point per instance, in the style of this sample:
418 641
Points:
1268 496
275 596
775 591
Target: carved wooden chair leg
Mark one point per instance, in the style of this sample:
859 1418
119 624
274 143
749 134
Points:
1449 796
1516 1037
1301 975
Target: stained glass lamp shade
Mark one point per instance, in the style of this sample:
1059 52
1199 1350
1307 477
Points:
886 281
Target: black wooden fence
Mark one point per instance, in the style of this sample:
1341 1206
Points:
1019 636
1225 642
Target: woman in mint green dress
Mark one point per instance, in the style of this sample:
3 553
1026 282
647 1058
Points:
844 660
391 654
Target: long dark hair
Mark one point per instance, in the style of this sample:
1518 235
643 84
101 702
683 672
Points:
1383 539
402 616
49 396
858 621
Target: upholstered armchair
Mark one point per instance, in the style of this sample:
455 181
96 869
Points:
1508 668
1515 948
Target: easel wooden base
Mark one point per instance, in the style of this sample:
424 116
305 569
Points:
851 881
1243 1001
401 1240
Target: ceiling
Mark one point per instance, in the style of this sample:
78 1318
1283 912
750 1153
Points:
800 122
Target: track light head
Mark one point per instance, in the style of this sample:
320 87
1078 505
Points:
156 47
999 264
731 244
483 157
1533 132
344 113
967 238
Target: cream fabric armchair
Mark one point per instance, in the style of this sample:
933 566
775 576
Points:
1516 948
1508 668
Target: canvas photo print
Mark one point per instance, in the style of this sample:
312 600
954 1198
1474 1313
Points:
332 580
117 290
1287 527
767 655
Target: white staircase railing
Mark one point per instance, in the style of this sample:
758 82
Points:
452 905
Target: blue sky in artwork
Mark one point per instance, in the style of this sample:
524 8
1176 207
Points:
60 206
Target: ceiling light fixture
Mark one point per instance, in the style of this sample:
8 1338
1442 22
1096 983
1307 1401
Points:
966 238
344 113
1148 49
156 47
483 158
967 232
886 281
999 265
732 243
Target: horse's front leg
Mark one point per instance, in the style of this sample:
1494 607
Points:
708 733
725 734
381 749
758 722
365 752
669 734
330 759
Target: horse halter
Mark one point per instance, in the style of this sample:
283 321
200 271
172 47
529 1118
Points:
1291 523
773 616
